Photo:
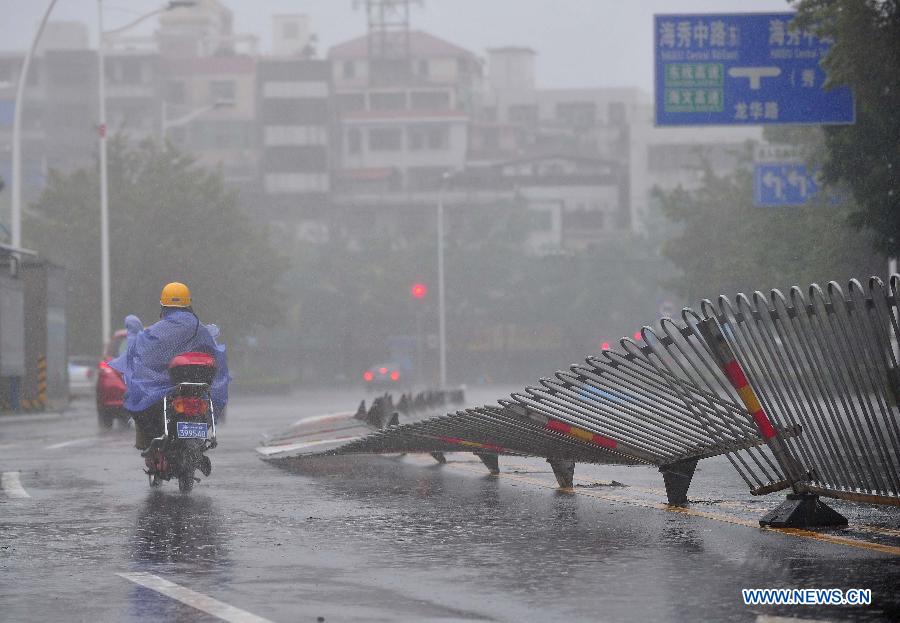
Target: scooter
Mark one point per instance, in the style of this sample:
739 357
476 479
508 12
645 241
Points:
189 423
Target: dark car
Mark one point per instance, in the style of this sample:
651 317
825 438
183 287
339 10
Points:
384 376
110 384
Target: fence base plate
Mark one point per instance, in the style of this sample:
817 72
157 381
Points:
564 472
803 510
677 478
490 461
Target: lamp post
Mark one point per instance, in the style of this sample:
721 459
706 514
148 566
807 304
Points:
101 130
442 316
104 191
16 207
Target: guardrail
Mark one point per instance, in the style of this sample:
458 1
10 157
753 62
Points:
798 392
826 362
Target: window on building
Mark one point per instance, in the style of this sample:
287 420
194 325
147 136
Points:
422 67
526 114
222 90
349 69
385 139
583 220
424 178
540 220
175 92
350 102
394 100
577 114
131 71
290 30
432 138
617 113
438 138
430 100
354 141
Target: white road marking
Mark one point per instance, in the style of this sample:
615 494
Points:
193 599
72 442
10 483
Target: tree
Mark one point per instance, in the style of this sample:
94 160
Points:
170 220
865 155
723 244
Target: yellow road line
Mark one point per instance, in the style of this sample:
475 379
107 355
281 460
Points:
731 519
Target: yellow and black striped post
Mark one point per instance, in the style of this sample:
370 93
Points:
39 402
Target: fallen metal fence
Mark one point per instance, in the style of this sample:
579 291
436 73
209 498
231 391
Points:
825 362
798 392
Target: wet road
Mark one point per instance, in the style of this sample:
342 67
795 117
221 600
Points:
83 538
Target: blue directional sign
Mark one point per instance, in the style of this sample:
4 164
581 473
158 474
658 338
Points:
743 69
782 185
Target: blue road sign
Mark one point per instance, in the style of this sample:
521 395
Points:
782 184
742 69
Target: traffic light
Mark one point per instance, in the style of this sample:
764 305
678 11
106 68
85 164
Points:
418 290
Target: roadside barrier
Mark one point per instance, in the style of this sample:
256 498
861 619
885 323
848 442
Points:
826 362
797 392
322 433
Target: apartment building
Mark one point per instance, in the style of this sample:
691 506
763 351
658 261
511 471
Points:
402 128
294 118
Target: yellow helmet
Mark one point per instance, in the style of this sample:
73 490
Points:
175 294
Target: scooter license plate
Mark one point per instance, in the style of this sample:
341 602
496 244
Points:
191 430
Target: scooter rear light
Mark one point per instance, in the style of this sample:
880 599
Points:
190 406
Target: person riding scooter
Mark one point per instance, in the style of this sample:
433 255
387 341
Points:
144 365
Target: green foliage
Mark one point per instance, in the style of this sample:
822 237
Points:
866 155
169 220
724 244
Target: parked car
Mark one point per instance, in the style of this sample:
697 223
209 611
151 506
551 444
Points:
82 375
110 384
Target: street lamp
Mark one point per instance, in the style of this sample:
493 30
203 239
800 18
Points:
16 208
442 316
104 190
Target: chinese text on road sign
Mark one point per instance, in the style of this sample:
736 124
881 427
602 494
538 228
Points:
742 69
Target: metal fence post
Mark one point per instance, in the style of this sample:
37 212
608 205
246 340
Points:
802 508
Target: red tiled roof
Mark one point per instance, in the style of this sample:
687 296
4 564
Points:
237 64
421 44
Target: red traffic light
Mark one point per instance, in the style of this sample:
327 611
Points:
418 290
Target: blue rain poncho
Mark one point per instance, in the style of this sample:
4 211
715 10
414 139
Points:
145 363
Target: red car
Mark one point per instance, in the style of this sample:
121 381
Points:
110 384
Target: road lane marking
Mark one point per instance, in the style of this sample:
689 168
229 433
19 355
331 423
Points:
12 486
721 517
71 442
195 600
